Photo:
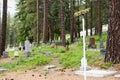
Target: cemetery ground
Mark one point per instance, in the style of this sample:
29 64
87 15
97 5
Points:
65 61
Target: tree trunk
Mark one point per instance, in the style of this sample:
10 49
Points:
72 22
45 27
62 23
99 22
4 25
75 29
91 17
51 30
38 22
86 20
78 20
113 41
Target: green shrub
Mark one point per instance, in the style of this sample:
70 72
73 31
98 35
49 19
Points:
106 65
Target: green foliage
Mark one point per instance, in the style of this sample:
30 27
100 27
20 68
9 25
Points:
106 65
68 58
11 53
82 12
27 63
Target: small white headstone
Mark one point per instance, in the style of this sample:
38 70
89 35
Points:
16 54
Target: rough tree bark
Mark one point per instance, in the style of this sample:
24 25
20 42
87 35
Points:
72 21
38 22
91 17
86 19
45 27
3 30
113 41
62 23
99 22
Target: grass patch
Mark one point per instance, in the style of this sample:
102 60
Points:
27 63
69 59
106 65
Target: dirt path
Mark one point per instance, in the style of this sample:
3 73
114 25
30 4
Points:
53 75
40 74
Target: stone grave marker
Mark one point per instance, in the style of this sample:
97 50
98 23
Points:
16 54
5 54
2 70
27 48
101 44
102 50
92 43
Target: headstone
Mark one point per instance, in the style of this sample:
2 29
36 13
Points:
102 50
27 47
84 64
5 54
92 43
101 44
2 70
16 54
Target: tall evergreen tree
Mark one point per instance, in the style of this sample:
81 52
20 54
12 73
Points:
45 27
99 22
86 18
98 28
72 22
38 22
4 25
62 8
91 17
113 41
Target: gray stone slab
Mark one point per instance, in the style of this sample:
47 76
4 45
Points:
49 67
96 73
117 76
2 70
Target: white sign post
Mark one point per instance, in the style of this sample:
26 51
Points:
84 52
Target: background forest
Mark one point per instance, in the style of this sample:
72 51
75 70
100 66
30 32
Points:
54 19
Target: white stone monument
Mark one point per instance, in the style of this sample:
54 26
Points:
27 47
16 54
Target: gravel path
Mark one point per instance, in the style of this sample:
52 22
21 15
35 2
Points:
67 74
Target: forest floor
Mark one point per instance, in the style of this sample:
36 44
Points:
39 73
